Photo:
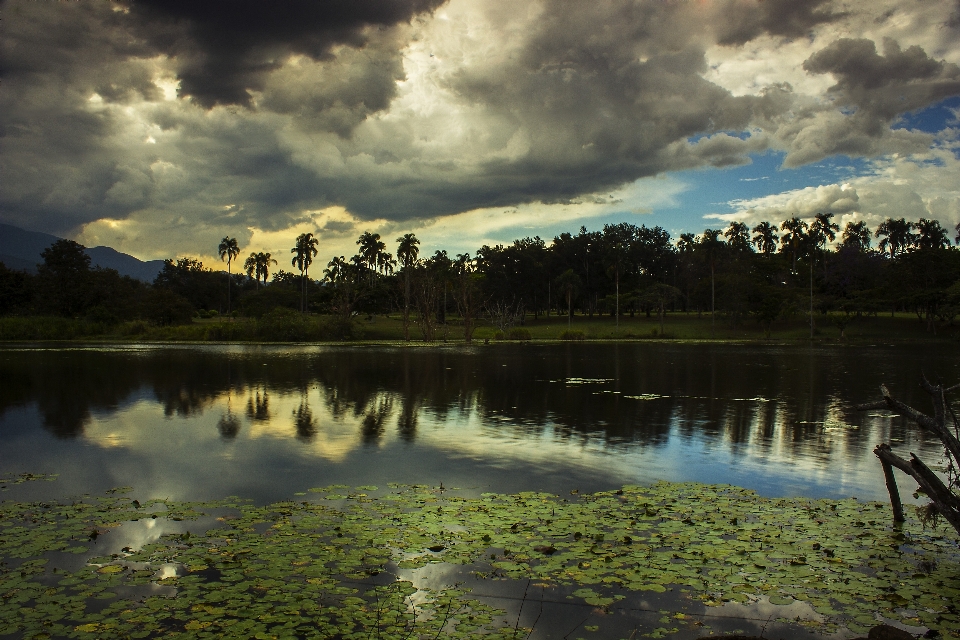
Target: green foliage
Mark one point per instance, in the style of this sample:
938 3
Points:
572 334
514 333
307 568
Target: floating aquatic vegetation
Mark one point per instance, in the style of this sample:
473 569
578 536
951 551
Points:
586 380
325 566
20 478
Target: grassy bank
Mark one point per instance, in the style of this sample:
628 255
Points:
289 326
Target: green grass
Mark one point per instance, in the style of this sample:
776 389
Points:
902 327
682 326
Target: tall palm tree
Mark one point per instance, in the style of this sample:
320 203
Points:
252 267
305 249
738 237
821 229
932 235
856 236
228 249
616 247
407 252
711 244
569 284
897 235
265 260
372 251
765 237
794 238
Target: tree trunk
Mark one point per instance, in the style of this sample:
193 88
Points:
943 498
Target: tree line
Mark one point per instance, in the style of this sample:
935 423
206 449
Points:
734 274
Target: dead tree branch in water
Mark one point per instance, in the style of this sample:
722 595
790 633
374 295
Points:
944 497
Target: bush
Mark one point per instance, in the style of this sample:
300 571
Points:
518 333
338 328
573 334
165 307
286 325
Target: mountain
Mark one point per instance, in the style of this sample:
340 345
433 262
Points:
20 249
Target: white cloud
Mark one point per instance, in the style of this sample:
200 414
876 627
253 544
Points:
912 187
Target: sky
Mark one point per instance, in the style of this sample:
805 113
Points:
158 127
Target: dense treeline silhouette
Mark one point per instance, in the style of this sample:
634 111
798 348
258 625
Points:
734 274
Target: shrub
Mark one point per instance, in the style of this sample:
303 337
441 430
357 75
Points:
572 334
285 325
519 333
338 328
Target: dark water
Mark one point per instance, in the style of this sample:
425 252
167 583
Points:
264 422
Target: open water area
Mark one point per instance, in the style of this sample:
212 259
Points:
263 422
269 422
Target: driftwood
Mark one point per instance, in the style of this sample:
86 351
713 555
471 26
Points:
944 498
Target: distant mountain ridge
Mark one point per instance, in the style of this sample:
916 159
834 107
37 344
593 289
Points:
21 249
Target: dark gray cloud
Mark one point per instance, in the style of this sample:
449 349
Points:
743 21
227 48
286 108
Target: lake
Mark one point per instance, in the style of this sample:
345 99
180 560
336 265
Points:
264 422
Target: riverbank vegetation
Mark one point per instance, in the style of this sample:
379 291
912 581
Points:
801 280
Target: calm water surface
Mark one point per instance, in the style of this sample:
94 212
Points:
264 422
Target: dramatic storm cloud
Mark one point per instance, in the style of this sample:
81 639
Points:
159 126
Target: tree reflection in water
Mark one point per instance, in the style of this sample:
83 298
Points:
303 422
640 395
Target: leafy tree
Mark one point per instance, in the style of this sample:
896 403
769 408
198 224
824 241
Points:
407 252
64 278
166 307
467 292
16 290
765 238
228 249
348 279
659 296
305 249
188 278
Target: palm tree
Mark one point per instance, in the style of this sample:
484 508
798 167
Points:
765 237
372 251
252 267
264 260
258 266
305 249
228 249
897 235
856 236
932 235
407 252
569 283
711 244
821 229
616 245
795 237
738 237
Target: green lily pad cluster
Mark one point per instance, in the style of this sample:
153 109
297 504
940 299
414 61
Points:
15 479
323 567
